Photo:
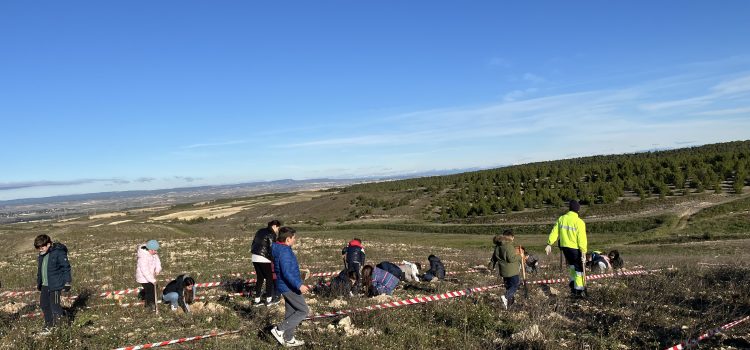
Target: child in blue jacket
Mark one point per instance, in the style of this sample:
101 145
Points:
289 284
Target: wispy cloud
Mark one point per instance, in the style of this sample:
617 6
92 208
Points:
215 144
500 62
44 183
607 116
729 111
533 78
187 178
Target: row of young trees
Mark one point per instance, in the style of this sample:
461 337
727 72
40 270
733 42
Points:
592 180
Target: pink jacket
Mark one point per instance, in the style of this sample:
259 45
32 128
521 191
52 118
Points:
148 266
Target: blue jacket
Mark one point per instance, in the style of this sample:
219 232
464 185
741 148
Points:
58 268
383 282
286 267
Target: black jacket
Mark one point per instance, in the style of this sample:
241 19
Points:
262 243
58 268
354 256
178 286
437 268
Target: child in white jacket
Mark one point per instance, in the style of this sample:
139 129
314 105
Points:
147 268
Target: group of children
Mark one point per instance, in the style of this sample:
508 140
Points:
358 278
272 256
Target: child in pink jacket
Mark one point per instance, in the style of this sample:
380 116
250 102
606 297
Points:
147 268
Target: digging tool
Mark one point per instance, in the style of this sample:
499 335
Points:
156 304
523 273
583 271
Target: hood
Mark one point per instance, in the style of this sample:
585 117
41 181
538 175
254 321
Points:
354 243
433 258
58 246
500 239
141 251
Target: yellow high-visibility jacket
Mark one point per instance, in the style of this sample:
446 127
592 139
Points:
572 232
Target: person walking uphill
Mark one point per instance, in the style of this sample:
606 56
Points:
571 231
52 277
147 268
507 256
289 284
263 263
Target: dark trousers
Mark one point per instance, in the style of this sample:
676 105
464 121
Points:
264 273
50 304
511 286
357 268
149 295
573 257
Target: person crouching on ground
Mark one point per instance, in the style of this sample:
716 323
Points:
410 270
437 269
180 291
147 268
509 260
377 281
289 284
52 277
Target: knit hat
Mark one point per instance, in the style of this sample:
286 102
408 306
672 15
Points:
152 245
574 206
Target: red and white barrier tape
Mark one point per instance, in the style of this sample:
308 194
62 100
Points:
405 302
176 341
692 342
453 294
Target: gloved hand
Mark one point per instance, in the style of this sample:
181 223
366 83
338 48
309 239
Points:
66 288
548 249
583 259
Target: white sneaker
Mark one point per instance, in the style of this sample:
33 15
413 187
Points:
174 307
294 343
505 302
279 335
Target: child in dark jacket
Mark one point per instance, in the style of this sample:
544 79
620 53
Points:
180 291
340 285
289 284
509 259
52 277
354 259
437 269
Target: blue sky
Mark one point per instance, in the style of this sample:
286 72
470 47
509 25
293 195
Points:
109 96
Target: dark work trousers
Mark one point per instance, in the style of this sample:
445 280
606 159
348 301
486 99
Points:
573 257
149 295
50 304
511 286
264 273
357 268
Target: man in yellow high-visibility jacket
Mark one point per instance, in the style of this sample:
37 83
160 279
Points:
572 233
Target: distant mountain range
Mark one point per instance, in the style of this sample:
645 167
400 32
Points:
197 193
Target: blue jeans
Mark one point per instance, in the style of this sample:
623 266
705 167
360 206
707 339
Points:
171 298
511 286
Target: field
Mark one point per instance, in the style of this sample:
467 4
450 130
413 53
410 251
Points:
697 248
